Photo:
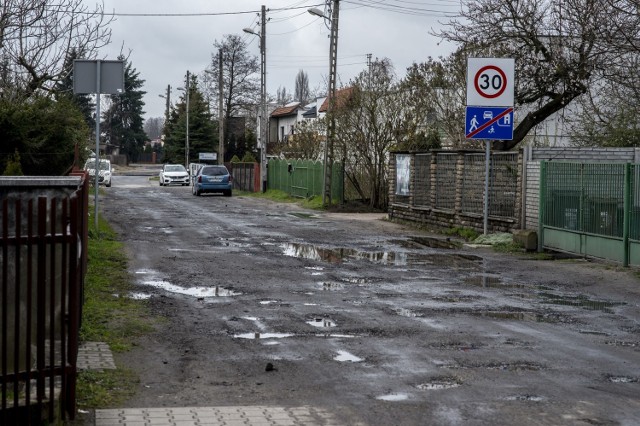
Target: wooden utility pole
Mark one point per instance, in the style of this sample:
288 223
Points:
220 114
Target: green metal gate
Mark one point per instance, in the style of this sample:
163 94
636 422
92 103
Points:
591 210
303 178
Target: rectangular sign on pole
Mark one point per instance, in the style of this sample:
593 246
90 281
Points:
494 123
210 156
85 76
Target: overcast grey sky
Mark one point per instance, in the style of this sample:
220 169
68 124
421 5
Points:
166 38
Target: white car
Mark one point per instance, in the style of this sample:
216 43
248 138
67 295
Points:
174 174
104 173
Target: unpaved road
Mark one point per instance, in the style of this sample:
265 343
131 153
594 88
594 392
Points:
358 318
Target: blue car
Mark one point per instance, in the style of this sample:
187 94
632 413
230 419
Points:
212 178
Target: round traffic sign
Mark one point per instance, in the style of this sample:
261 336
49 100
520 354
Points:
490 81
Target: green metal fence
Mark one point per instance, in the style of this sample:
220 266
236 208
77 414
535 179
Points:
303 178
591 209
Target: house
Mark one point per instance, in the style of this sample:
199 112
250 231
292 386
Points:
283 121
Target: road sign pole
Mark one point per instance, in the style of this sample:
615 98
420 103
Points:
487 169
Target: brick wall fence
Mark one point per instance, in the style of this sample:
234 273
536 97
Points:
445 189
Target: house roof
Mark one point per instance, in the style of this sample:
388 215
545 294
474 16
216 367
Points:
312 113
290 109
342 96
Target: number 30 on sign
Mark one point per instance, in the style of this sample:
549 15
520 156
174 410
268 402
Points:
490 81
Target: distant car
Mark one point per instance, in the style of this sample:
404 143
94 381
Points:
212 178
174 174
104 173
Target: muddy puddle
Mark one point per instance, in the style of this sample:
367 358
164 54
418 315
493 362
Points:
322 323
393 397
199 292
391 258
578 301
439 383
344 356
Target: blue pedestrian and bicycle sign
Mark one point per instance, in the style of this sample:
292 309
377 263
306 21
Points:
495 123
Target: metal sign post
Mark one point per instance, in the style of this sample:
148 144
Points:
96 76
489 112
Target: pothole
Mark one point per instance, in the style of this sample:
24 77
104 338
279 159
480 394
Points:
521 316
622 379
139 296
503 366
392 258
322 323
344 356
263 335
393 397
532 398
623 344
408 313
331 286
578 301
200 292
438 383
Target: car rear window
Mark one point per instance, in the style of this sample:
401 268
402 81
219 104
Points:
214 171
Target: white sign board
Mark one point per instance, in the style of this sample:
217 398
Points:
490 81
211 156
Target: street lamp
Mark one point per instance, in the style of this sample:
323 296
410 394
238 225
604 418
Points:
331 95
264 127
168 98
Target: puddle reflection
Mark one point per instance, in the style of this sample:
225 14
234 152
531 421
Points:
393 258
393 397
191 291
263 335
579 301
322 323
344 356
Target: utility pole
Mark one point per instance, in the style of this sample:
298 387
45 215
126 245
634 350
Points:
331 127
220 115
168 97
186 145
264 123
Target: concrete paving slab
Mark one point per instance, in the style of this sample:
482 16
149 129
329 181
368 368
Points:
213 416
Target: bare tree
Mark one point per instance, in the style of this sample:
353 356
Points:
241 85
560 48
368 116
282 96
36 36
302 93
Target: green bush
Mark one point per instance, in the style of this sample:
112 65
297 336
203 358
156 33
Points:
14 168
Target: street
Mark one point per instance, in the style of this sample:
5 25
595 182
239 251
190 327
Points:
269 304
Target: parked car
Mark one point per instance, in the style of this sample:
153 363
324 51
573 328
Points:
174 174
104 173
212 178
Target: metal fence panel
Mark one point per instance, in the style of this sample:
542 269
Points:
473 183
634 228
422 180
446 181
503 184
43 233
303 178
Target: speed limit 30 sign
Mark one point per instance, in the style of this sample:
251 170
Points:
490 81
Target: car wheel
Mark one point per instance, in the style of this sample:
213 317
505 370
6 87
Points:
227 193
161 184
108 184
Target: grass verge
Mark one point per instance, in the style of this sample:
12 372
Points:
110 316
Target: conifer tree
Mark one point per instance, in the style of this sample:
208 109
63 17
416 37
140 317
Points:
123 121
